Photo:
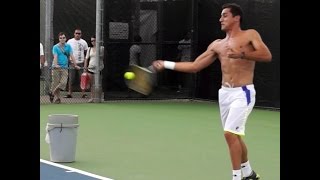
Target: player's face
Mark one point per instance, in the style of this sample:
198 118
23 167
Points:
226 19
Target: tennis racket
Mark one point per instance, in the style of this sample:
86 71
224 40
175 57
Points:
143 81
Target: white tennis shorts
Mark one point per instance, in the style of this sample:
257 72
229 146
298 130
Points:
235 106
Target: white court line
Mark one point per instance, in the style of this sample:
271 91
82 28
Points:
74 170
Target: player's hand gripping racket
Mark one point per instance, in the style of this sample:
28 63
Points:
142 82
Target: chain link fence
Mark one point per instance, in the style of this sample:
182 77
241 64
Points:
162 26
77 95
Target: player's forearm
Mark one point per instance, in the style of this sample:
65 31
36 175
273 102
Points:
200 63
259 56
187 67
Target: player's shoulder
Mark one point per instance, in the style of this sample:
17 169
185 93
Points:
217 41
251 31
252 34
214 44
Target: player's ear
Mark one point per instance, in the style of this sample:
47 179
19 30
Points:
237 18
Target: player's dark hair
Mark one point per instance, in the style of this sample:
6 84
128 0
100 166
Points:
235 10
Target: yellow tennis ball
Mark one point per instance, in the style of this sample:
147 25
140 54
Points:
129 75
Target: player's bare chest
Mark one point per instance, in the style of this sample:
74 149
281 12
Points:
232 44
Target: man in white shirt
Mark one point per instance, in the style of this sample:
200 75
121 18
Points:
135 51
79 47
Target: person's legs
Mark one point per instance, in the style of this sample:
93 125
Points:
247 171
233 128
244 155
91 75
46 76
232 140
235 106
54 84
245 165
239 157
235 149
57 79
72 75
60 80
63 82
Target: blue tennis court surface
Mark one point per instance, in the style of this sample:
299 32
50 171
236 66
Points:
54 171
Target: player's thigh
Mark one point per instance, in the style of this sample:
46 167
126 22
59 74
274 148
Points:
237 116
224 105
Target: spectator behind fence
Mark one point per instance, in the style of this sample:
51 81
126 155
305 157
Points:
134 56
90 65
135 51
238 53
79 47
184 48
62 52
135 59
184 55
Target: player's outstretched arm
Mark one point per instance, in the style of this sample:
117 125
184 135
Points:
201 62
